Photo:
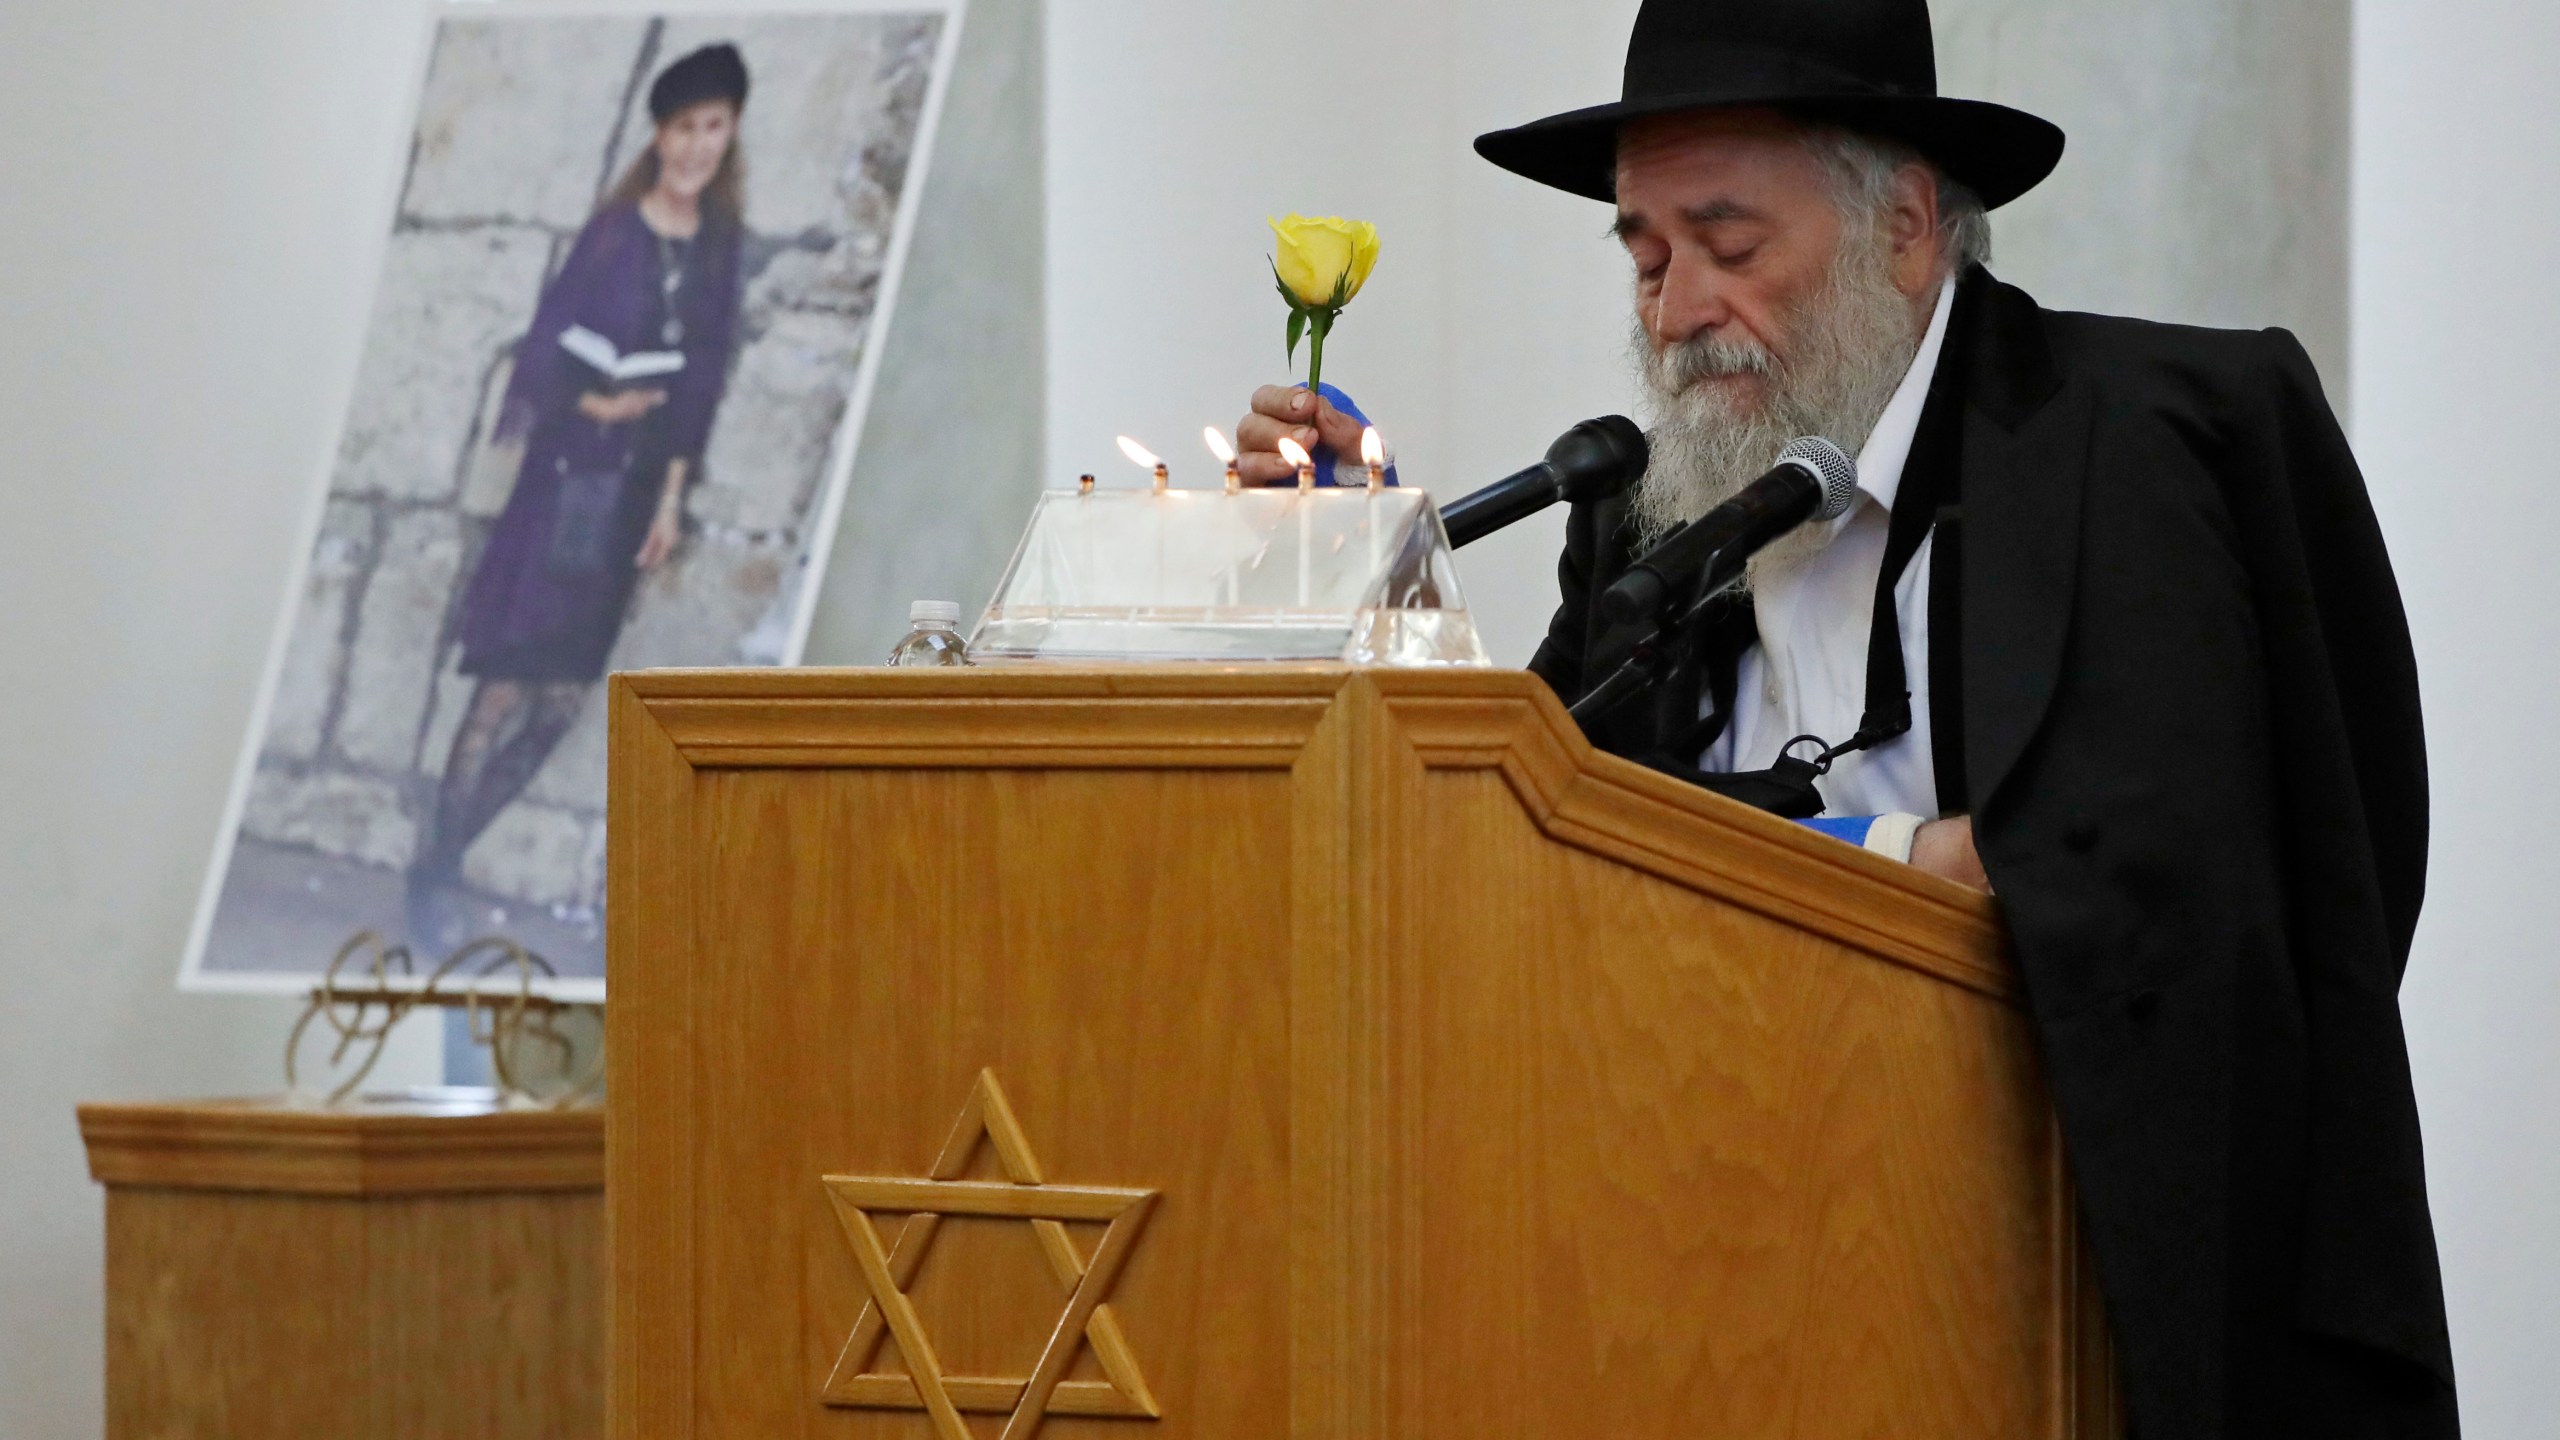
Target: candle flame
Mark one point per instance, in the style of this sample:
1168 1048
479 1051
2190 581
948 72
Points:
1218 446
1294 453
1140 454
1373 451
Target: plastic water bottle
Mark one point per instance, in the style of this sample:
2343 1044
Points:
935 640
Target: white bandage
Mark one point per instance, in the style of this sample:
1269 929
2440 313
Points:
1891 836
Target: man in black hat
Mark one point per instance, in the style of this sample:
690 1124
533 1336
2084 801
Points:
2112 617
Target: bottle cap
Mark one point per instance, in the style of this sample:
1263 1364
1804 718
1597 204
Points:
946 611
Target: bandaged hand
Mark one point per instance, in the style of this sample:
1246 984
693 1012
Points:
1289 410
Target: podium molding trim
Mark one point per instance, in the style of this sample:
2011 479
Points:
1266 717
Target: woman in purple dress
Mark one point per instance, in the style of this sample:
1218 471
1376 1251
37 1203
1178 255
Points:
614 391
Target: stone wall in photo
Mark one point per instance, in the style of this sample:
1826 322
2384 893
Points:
523 123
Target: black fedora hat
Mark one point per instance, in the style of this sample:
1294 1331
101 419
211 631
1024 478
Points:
1868 65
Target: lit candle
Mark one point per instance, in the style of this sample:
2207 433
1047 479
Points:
1295 454
1226 454
1373 453
1146 459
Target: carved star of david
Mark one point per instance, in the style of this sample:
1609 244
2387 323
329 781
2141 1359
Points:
1023 1194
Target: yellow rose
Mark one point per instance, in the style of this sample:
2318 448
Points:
1324 262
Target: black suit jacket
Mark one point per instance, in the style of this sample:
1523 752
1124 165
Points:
2193 755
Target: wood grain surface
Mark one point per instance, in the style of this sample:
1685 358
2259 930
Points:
282 1273
1492 1087
271 1146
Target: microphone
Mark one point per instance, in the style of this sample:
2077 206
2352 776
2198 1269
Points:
1591 461
1814 480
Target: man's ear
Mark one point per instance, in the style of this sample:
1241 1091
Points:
1917 246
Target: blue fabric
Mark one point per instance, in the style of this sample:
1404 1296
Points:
1852 828
1324 455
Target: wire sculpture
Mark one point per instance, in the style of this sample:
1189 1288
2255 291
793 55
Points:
386 988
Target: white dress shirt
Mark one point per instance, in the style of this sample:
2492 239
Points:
1808 674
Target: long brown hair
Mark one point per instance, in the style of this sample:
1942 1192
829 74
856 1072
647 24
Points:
724 200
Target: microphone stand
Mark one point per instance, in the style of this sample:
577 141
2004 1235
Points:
1651 662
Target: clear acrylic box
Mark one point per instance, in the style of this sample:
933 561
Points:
1359 575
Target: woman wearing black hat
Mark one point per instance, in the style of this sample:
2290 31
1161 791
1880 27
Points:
614 391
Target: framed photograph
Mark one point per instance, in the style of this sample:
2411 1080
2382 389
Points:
627 322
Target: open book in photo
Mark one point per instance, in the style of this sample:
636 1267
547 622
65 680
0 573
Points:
612 364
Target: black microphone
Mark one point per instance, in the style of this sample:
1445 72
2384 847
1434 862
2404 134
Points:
1591 461
1814 481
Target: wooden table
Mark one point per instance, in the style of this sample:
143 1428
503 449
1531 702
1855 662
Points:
395 1270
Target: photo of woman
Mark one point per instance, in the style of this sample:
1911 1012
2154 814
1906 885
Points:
605 416
615 388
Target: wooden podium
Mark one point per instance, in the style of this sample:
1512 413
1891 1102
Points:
1310 1052
383 1270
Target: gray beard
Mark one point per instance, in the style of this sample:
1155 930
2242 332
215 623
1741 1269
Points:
1847 351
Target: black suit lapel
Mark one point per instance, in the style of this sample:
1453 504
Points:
2026 456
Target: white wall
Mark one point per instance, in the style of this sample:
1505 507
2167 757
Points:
190 190
2457 351
2206 180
